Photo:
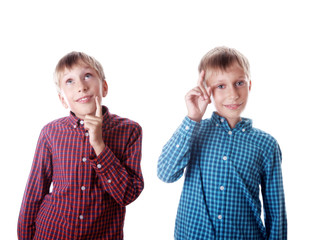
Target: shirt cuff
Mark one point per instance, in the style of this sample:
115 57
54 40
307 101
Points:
189 128
104 160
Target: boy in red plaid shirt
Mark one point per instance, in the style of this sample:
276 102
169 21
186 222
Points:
92 159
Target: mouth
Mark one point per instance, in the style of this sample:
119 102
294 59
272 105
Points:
233 106
84 99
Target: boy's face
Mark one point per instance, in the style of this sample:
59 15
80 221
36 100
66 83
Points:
79 87
230 91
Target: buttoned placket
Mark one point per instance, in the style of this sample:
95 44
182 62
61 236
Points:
222 187
229 135
83 185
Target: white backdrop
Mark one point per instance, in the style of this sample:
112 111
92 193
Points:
150 51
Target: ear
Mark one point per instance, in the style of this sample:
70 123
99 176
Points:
63 100
250 85
104 88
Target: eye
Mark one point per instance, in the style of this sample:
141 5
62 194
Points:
239 83
87 76
69 82
221 86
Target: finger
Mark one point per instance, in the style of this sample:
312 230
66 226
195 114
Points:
90 125
198 91
92 121
209 92
86 126
201 84
194 92
98 112
201 78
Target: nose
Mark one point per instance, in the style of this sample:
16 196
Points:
233 93
82 86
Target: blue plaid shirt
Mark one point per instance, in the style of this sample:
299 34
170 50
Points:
225 169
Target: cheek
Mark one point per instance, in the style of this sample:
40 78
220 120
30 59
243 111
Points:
217 96
64 100
245 92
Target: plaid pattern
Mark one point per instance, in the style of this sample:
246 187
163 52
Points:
89 192
224 171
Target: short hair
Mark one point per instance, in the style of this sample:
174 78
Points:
73 58
221 58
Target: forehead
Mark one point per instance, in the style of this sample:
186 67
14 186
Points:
76 68
232 72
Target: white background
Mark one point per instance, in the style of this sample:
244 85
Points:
150 51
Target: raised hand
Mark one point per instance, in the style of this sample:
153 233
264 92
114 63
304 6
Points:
197 99
94 126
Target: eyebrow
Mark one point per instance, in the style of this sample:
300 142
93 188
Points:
218 81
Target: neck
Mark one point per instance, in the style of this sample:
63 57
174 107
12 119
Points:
232 122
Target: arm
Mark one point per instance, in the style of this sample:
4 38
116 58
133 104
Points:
273 196
122 178
176 153
37 187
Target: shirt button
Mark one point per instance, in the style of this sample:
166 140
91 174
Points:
220 217
81 217
187 128
225 158
217 124
86 134
222 188
99 166
82 188
230 132
177 145
75 126
84 159
222 119
81 122
243 130
109 181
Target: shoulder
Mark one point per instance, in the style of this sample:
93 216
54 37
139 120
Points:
55 128
116 121
50 130
262 139
260 134
55 124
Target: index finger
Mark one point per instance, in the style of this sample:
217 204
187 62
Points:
98 112
201 84
201 78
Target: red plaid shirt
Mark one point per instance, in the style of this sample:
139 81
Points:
89 192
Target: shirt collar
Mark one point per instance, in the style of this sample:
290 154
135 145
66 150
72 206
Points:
244 125
74 121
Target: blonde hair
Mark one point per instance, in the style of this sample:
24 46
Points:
221 58
73 58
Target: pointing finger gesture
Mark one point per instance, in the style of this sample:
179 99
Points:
197 99
94 126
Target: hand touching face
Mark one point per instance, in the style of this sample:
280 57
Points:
79 86
230 90
93 124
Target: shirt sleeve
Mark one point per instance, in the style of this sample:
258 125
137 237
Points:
37 187
273 196
176 153
122 178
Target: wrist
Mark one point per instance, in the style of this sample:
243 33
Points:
196 119
98 148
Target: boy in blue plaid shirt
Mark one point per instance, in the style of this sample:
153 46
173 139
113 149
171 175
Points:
227 161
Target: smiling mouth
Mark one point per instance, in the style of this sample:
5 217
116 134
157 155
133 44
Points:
233 106
84 99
